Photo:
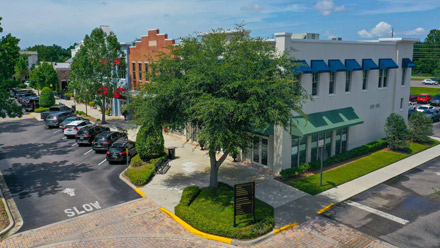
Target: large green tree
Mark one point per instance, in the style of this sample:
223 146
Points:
44 76
96 65
52 53
397 132
9 54
223 83
427 54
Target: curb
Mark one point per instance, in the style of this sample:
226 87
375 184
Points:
328 207
11 220
130 184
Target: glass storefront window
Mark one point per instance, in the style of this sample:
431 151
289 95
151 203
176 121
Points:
338 141
256 149
294 156
314 151
264 150
302 150
344 138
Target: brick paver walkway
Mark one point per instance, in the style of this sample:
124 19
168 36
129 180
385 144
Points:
140 223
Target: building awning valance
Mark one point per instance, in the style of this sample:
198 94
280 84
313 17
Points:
262 131
319 66
301 67
324 121
352 65
368 64
336 65
407 63
387 64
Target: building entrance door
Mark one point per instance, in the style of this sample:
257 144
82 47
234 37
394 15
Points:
260 150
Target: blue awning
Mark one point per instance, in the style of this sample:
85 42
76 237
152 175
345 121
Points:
352 65
336 65
302 66
368 64
407 63
387 64
319 66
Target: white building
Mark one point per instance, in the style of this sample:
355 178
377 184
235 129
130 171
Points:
355 86
31 58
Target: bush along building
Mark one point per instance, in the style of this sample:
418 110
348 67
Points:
355 86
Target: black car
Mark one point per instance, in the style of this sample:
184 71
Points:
118 151
435 100
23 94
55 109
87 134
54 119
31 104
105 140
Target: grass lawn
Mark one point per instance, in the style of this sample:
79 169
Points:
423 90
356 169
211 212
417 79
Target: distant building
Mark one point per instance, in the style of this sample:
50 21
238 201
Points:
31 58
305 36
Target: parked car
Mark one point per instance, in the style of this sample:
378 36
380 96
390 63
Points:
105 140
435 100
424 98
422 108
412 98
54 109
73 118
72 128
434 114
54 119
412 105
118 151
21 95
31 104
429 81
87 134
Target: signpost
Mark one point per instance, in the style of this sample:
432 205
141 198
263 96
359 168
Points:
244 199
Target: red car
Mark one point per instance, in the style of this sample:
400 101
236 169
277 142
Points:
424 98
412 98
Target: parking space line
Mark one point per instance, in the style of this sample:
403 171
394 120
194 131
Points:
64 137
102 161
74 144
378 212
88 151
437 173
57 131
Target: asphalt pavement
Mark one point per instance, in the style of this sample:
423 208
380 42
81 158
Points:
52 179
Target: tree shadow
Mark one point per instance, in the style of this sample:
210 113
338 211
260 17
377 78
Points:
17 126
35 150
24 180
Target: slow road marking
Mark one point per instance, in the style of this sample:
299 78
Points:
88 207
88 151
378 212
102 161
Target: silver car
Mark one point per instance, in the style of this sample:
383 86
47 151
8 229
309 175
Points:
72 128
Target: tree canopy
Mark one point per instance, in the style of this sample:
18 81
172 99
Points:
397 132
21 69
9 54
52 53
44 76
223 83
95 67
427 54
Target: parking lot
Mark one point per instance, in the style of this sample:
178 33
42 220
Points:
51 178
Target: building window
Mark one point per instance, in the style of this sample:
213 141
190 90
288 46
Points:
134 72
364 80
401 103
140 71
385 78
315 81
347 81
260 150
331 89
380 78
403 75
147 78
294 155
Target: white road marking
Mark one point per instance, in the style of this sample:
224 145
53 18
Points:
378 212
69 191
102 161
57 131
74 144
88 151
437 173
64 137
88 207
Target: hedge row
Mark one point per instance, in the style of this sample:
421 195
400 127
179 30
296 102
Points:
140 175
356 152
136 161
196 220
41 109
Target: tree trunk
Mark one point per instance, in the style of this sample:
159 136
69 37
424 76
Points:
215 165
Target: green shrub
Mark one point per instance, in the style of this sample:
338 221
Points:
92 103
358 151
78 112
397 132
294 172
136 161
98 119
22 86
211 212
149 142
420 127
46 97
140 175
68 95
41 109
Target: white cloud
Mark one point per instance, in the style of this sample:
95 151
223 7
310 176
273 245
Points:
380 30
326 7
255 7
417 31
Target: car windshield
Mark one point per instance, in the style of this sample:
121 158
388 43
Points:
423 107
428 111
436 98
116 149
83 131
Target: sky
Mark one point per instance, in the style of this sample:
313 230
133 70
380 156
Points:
65 22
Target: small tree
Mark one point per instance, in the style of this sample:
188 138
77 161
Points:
46 98
44 76
420 127
397 132
21 69
149 142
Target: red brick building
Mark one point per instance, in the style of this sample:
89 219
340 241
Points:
143 53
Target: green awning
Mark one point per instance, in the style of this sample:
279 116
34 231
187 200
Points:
262 131
324 121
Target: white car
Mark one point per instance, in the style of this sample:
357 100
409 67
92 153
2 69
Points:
430 82
422 108
73 127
